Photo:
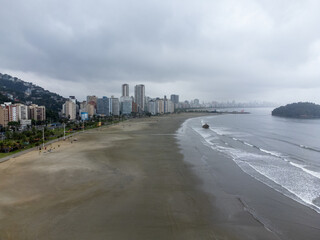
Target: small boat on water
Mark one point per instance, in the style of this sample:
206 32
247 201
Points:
206 126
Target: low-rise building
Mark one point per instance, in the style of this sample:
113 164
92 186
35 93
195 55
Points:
84 116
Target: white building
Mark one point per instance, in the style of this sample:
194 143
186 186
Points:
152 107
13 113
168 106
23 112
159 106
69 110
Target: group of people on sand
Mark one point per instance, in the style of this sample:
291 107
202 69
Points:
50 148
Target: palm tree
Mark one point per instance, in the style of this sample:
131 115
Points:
1 146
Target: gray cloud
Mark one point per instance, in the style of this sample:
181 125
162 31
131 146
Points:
212 50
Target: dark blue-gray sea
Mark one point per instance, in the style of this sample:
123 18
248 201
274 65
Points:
282 153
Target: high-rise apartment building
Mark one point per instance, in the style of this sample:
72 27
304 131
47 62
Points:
134 107
23 113
11 109
139 97
168 106
92 100
69 110
41 113
174 98
4 116
13 113
125 105
160 106
37 113
91 109
83 106
73 99
103 106
125 90
152 107
115 106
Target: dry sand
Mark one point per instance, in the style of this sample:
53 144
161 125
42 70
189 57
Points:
127 181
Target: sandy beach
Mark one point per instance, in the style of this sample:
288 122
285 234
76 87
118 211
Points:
127 181
122 182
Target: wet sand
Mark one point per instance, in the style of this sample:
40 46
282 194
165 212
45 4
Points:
243 204
128 181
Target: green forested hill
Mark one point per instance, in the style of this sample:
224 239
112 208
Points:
3 98
298 110
17 90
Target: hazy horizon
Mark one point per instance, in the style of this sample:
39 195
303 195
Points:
210 50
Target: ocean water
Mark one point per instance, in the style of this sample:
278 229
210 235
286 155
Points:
279 152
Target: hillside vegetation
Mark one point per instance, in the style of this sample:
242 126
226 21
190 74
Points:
298 110
18 91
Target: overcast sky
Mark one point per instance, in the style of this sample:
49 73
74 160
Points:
207 49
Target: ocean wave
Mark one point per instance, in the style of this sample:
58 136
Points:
303 167
275 169
303 185
309 198
276 154
300 182
309 148
314 149
248 144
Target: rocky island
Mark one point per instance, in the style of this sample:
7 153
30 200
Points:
298 110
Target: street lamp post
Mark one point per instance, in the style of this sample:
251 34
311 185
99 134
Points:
64 131
43 137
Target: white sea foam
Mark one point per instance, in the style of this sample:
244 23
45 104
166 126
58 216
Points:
303 186
303 167
301 182
309 148
275 169
276 154
270 167
221 131
248 144
206 135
